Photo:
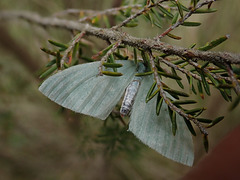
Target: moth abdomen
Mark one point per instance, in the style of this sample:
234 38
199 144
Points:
129 97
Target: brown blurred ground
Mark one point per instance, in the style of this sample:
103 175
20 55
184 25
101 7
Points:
222 162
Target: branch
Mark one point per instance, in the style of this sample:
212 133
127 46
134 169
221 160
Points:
168 102
104 58
205 70
176 67
108 34
77 38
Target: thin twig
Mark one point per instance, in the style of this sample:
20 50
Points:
94 13
234 81
145 9
111 11
104 58
77 38
181 21
205 70
176 67
108 34
168 102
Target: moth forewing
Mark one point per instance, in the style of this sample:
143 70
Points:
80 89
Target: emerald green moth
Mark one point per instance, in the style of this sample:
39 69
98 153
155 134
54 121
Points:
82 90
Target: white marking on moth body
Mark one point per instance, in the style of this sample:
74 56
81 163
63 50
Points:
131 92
129 96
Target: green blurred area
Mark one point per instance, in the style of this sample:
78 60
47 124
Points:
40 140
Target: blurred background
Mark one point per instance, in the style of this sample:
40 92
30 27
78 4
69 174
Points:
40 140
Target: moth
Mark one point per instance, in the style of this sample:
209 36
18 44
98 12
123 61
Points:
80 89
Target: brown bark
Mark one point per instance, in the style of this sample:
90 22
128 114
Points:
109 34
